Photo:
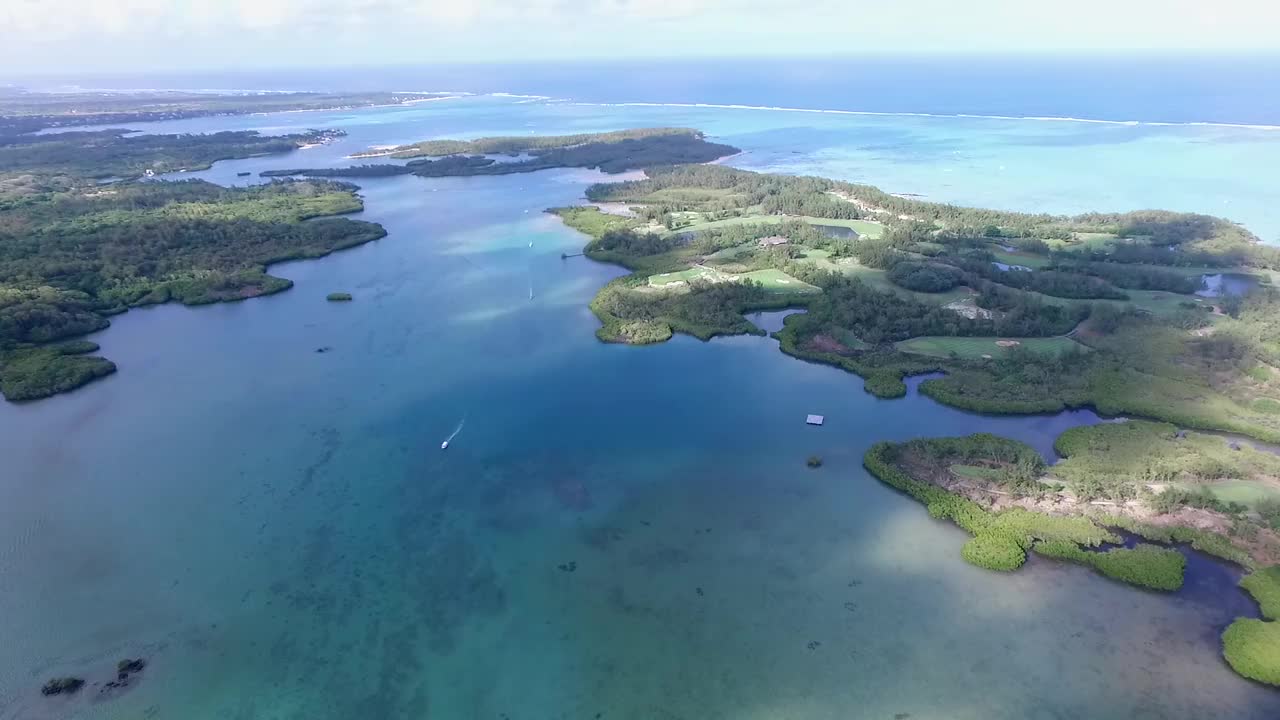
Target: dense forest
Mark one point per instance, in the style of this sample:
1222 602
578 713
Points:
117 154
848 305
81 239
70 259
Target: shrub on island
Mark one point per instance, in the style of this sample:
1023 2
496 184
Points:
1264 586
62 685
925 277
885 384
1148 566
1205 541
31 373
1252 648
1001 539
994 551
339 297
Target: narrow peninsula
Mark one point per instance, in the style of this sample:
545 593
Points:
85 239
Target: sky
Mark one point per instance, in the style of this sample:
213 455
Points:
76 36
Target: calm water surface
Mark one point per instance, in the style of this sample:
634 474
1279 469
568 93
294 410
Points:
616 532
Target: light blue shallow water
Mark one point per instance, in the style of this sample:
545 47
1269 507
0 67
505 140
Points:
279 532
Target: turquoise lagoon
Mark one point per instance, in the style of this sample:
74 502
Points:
617 533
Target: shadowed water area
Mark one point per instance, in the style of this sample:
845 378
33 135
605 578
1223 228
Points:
617 533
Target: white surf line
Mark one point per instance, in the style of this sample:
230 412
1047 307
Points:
773 108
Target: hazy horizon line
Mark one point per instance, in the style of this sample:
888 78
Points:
1076 54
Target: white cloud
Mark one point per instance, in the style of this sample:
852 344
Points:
91 33
91 17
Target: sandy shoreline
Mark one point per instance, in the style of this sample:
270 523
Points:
415 101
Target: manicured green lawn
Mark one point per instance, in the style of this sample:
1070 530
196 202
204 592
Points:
1246 492
780 282
975 472
688 195
850 340
1093 241
879 279
1156 302
773 280
866 228
977 347
687 275
1018 258
592 221
730 254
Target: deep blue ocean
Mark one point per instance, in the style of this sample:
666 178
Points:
1149 87
615 533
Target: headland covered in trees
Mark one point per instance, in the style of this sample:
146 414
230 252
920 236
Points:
74 251
84 237
1016 313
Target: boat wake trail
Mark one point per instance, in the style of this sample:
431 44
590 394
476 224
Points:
445 445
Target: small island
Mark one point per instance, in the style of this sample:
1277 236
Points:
338 297
613 152
62 686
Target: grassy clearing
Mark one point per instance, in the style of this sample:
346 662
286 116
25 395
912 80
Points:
850 340
1245 492
1158 303
1019 258
1252 648
1264 586
687 195
1161 304
731 254
879 279
776 281
971 348
1080 240
592 221
975 472
865 228
693 273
